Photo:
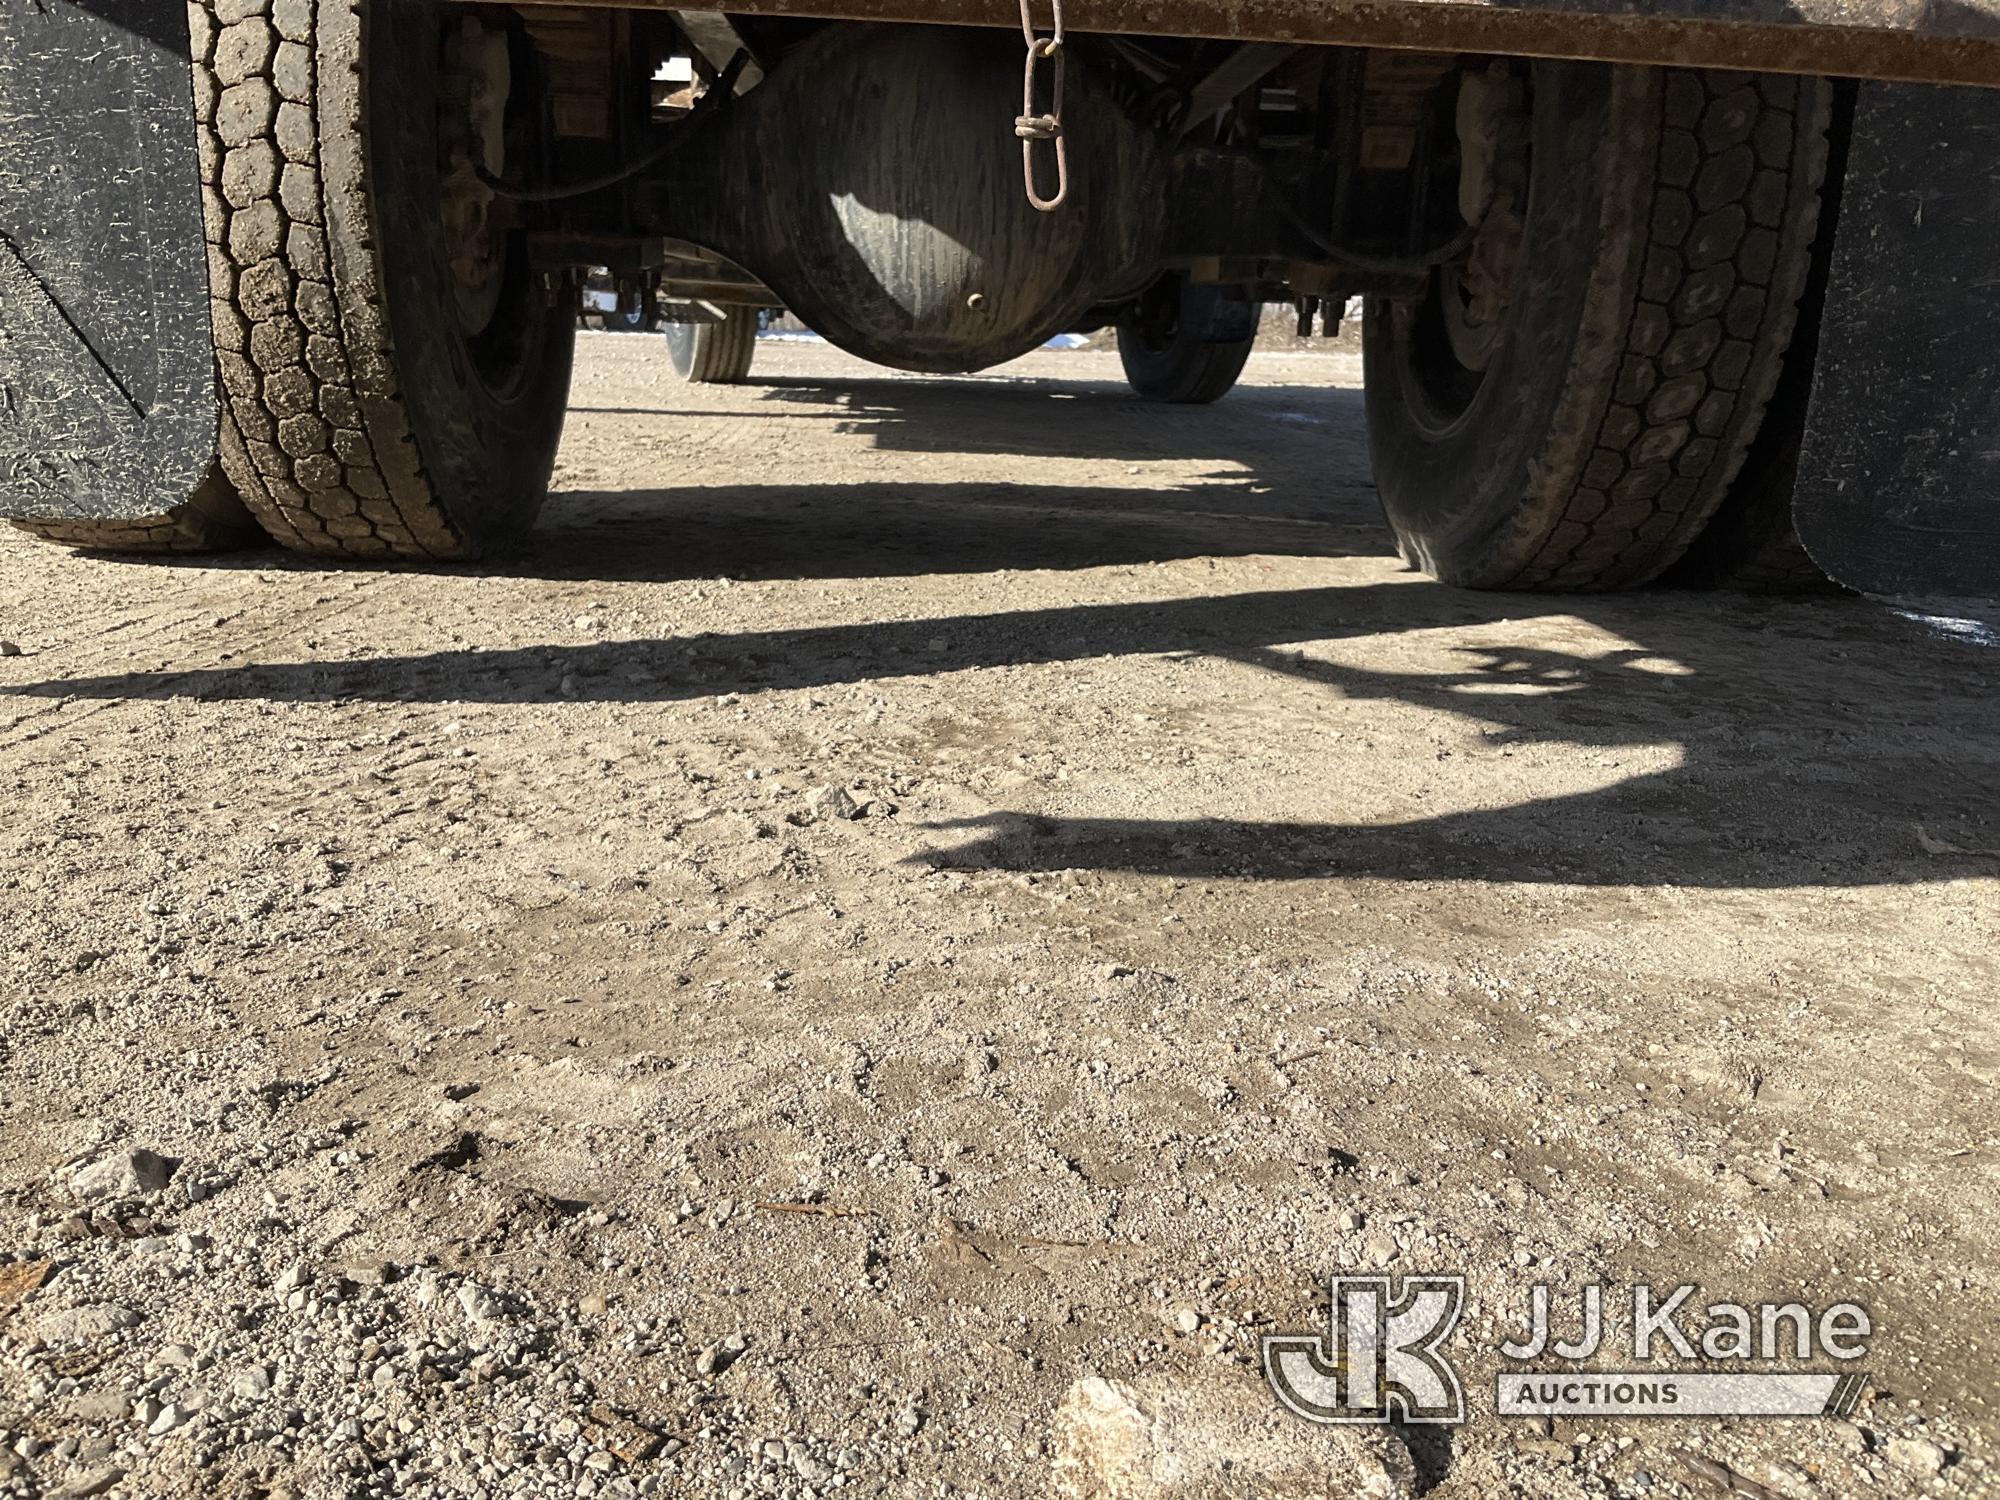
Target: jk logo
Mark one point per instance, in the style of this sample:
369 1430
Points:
1378 1360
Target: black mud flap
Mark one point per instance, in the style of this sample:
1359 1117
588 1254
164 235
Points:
107 372
1899 478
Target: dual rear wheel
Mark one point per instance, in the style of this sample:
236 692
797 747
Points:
394 372
1583 410
1610 388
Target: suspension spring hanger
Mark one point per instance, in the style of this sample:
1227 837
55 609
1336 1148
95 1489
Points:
1032 127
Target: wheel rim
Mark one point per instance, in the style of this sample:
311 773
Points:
484 121
1439 390
475 80
1447 341
683 342
1155 322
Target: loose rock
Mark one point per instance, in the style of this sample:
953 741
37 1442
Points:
122 1176
1215 1439
1919 1455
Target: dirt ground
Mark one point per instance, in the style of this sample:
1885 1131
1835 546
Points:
564 1094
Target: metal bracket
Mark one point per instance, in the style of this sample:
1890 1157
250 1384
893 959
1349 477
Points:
715 37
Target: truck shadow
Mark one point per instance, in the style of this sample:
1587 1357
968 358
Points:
1830 777
1821 744
909 530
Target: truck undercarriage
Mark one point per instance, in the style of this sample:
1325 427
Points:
1685 291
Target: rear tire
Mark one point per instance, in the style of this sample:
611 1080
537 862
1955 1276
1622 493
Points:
1185 343
1750 542
376 406
1664 249
715 353
211 520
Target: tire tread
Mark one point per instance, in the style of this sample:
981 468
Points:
212 519
315 433
722 352
1737 178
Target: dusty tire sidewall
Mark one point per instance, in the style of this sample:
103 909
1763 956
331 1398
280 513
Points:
1471 501
1211 343
487 450
683 348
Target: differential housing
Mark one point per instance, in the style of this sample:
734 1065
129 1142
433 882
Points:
874 183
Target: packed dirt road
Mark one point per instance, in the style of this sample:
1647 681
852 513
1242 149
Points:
919 893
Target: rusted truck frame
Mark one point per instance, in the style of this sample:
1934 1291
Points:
1911 41
330 298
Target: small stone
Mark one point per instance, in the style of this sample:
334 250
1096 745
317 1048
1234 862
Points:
718 1357
369 1271
809 1468
175 1356
478 1304
1187 1320
99 1407
121 1176
94 1483
1919 1455
170 1416
1168 1439
252 1383
591 1304
824 803
92 1323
